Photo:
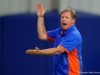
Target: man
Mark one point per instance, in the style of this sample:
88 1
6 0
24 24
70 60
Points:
67 42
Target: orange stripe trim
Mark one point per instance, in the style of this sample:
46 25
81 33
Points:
73 62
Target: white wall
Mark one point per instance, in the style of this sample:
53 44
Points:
23 6
91 6
46 3
20 6
13 6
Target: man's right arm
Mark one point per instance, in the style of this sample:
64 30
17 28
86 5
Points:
41 27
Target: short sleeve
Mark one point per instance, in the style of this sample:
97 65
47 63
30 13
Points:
70 42
51 35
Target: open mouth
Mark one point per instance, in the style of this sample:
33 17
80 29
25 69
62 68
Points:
64 23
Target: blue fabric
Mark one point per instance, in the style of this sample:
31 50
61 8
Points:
52 33
70 40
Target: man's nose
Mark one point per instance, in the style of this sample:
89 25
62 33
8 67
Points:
63 19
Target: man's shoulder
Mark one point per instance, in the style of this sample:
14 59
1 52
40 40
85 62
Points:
75 34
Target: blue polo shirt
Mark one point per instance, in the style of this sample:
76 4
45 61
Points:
69 62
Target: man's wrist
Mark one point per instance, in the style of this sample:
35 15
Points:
41 16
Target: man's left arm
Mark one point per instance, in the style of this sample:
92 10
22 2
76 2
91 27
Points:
50 51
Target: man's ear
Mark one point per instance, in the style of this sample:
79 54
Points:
74 21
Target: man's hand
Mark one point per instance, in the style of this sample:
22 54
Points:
31 52
40 10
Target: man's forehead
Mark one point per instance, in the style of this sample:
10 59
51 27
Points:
66 13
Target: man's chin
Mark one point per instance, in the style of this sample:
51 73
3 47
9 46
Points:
64 28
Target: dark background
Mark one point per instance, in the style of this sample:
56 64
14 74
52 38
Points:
19 32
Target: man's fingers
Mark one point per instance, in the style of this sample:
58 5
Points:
45 9
36 48
38 6
29 50
41 4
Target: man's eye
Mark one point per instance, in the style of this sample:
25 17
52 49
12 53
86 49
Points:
62 17
67 17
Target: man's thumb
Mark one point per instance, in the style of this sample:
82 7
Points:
36 48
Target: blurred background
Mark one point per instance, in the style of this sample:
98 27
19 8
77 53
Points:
18 32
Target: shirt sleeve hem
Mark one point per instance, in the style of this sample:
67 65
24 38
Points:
49 38
64 48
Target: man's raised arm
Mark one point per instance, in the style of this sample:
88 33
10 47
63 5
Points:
41 27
